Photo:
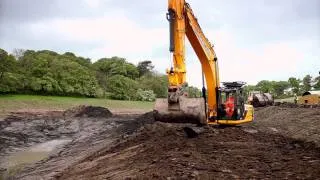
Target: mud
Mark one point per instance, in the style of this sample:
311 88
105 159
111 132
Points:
300 123
293 105
282 143
162 151
89 128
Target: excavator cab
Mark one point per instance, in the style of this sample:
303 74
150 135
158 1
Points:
231 101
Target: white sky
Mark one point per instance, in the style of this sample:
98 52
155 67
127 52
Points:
254 39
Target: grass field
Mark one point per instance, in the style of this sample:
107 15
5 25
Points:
290 100
9 103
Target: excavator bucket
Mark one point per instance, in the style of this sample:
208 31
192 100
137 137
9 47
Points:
188 110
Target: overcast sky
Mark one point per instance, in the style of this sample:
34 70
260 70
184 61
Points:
254 39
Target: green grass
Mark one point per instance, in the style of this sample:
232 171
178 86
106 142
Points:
9 103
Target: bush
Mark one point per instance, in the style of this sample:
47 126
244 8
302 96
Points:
157 83
147 95
122 88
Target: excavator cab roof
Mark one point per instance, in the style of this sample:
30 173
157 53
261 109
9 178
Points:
231 86
235 84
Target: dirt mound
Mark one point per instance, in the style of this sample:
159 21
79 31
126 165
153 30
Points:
162 151
132 125
299 123
293 105
88 111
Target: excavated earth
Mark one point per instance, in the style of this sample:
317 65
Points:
282 143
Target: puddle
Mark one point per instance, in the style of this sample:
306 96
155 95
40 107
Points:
34 153
49 146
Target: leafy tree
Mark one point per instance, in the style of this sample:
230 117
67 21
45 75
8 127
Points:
294 84
279 87
111 67
9 79
7 63
18 53
47 72
122 88
145 67
74 78
132 71
247 89
307 83
82 61
145 95
157 83
316 86
108 67
193 92
265 86
10 83
115 66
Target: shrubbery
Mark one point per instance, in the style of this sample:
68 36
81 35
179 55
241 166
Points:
147 95
49 73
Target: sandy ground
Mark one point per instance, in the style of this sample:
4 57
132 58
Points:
282 143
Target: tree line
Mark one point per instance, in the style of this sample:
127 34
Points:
282 89
49 73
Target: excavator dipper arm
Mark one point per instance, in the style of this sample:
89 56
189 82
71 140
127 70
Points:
207 57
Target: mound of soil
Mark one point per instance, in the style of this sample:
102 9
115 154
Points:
293 105
130 126
300 123
164 151
88 111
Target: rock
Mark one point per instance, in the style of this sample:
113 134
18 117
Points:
195 174
193 132
226 171
251 131
186 154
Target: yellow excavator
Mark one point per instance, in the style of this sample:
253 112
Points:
222 105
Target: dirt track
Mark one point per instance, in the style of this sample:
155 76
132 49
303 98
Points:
133 146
